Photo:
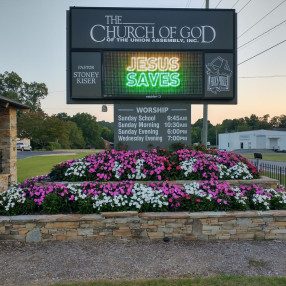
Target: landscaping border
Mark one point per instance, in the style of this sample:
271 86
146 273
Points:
239 225
264 182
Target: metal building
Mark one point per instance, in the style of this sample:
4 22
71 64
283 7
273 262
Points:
254 139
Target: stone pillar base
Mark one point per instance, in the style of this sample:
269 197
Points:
4 182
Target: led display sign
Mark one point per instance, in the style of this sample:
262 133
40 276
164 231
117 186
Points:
127 54
153 74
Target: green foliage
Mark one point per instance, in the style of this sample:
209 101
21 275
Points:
56 203
41 128
121 146
50 147
90 128
279 121
178 146
57 172
84 206
109 125
12 86
235 125
28 207
107 134
76 139
199 147
53 145
49 132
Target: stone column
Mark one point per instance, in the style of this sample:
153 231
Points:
8 141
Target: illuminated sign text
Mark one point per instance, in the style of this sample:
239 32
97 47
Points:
153 72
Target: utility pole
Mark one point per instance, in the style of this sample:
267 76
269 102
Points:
205 114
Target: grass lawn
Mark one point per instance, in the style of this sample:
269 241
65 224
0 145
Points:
221 280
41 165
272 157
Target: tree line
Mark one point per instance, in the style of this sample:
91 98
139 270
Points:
82 130
63 131
253 122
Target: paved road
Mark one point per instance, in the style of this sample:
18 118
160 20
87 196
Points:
27 154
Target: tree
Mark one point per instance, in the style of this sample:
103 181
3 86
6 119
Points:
107 134
109 125
90 129
197 129
63 116
75 136
42 129
278 121
12 86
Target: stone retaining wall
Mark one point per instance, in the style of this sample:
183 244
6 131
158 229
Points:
249 225
264 182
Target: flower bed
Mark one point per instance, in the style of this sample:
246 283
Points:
95 197
156 165
98 194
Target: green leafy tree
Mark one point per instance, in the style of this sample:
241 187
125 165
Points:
76 139
278 121
63 116
109 125
107 134
12 86
90 128
42 129
32 125
196 134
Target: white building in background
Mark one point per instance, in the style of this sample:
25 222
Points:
254 139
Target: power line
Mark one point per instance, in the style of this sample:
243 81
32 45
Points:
204 4
218 3
235 4
244 6
262 34
262 52
262 18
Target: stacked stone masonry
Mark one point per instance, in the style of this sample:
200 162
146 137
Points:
250 225
8 136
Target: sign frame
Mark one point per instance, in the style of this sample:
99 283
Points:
113 100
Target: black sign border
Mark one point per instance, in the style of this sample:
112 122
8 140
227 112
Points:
201 100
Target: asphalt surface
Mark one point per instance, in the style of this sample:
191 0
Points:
28 154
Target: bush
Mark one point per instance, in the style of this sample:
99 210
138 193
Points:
178 146
55 204
51 146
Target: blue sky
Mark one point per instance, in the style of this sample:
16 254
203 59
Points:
33 44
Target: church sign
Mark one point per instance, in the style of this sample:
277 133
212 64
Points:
123 55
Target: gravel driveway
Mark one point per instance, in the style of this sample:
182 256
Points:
50 262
